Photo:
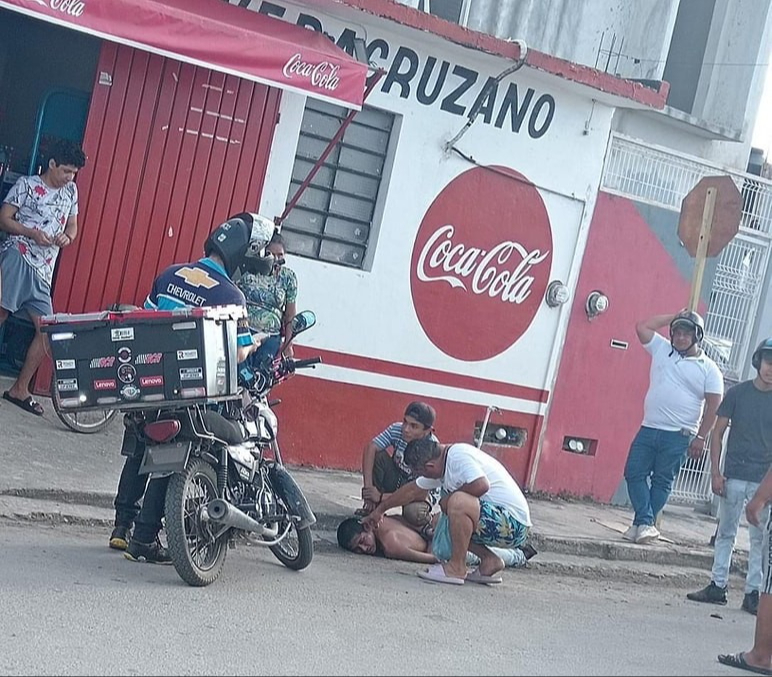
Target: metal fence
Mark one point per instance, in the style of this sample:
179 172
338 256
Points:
662 177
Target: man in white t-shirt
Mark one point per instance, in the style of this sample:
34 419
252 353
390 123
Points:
679 412
483 504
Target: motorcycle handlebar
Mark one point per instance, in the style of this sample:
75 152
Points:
304 364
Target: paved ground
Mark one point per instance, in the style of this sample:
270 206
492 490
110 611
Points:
71 606
49 472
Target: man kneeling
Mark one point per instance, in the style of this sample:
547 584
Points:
482 502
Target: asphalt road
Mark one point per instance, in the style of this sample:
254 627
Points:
70 606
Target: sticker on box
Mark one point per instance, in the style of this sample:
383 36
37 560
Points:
127 373
187 354
122 334
63 384
105 384
102 362
151 381
130 392
192 374
62 365
149 358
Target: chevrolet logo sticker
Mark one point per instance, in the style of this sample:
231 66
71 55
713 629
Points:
196 277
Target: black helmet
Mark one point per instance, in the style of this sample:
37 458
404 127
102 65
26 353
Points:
240 234
764 347
692 321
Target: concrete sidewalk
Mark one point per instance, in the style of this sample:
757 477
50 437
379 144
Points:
51 473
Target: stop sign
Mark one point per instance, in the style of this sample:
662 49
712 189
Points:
726 214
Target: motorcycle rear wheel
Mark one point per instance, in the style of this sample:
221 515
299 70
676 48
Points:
197 557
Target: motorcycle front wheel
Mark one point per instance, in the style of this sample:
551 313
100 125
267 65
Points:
296 549
196 555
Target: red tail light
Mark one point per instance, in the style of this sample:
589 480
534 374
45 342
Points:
162 431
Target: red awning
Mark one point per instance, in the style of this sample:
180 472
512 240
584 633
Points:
214 34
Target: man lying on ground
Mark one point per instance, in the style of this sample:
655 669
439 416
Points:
395 539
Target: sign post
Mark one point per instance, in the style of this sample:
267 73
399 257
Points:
710 218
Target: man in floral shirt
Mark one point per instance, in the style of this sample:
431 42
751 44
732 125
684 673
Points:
271 303
39 215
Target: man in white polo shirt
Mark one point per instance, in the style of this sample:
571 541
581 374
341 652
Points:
685 390
483 504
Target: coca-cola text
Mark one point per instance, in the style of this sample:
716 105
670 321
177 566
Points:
323 75
71 7
511 285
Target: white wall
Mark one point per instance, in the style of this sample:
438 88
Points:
371 312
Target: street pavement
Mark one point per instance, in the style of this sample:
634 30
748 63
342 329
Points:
51 473
71 606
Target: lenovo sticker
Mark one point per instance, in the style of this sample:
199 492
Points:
105 384
151 381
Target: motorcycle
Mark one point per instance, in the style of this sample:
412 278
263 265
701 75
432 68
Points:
228 481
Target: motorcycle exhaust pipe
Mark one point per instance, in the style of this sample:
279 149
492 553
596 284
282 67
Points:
228 515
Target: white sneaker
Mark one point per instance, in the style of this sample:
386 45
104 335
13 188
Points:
631 533
647 534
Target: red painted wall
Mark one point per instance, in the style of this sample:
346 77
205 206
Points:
173 150
599 390
327 423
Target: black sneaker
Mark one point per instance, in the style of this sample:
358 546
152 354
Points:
152 553
711 594
528 550
751 602
119 539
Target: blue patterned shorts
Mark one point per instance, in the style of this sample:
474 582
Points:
497 527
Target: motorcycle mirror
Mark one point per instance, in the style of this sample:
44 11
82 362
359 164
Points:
302 321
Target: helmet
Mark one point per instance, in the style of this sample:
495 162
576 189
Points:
692 321
764 347
240 234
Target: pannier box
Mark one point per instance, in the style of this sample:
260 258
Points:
144 358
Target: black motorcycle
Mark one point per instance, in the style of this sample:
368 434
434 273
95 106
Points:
228 482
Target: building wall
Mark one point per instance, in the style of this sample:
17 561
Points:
590 32
604 371
633 40
373 335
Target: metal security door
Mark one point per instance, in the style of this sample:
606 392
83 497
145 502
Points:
173 150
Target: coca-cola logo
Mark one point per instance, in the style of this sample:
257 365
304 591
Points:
323 75
481 263
71 7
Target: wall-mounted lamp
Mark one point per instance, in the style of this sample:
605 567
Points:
597 303
557 294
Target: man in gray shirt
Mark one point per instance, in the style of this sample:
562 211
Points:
748 406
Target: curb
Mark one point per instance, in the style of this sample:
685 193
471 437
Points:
609 551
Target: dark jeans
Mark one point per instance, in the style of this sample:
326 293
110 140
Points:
654 460
148 522
131 486
149 518
387 477
266 353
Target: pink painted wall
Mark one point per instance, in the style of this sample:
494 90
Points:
599 389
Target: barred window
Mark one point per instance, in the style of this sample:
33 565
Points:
333 220
456 11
